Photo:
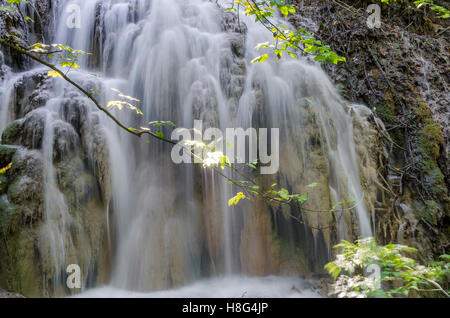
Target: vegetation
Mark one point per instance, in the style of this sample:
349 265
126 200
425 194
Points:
441 12
356 264
284 40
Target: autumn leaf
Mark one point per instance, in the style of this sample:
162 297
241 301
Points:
54 74
3 170
235 200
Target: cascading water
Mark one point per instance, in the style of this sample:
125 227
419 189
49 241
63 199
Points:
170 225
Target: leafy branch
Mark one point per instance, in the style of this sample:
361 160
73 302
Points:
285 40
441 12
396 269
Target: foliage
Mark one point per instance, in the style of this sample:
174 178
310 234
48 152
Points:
13 4
3 170
284 194
441 12
235 200
284 40
399 274
125 101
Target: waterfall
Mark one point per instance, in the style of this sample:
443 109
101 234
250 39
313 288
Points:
169 225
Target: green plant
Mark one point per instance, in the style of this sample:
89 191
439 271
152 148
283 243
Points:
441 12
399 275
284 40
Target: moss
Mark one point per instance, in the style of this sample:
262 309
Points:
422 112
3 184
430 140
10 218
5 211
15 191
19 265
386 110
430 136
431 212
6 155
12 133
26 265
434 179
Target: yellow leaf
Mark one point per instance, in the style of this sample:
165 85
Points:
115 103
3 170
54 74
235 200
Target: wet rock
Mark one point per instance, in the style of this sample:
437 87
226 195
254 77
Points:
6 294
24 31
231 23
31 91
12 133
25 187
400 72
2 66
66 140
232 64
11 23
6 155
80 192
28 131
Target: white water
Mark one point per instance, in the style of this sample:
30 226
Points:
174 56
229 287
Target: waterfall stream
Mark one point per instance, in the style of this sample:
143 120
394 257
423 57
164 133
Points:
169 225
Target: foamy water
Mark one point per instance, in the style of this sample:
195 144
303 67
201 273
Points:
224 287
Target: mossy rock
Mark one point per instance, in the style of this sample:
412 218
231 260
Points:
6 155
6 209
10 218
27 195
27 267
422 112
12 133
431 139
386 111
19 266
15 191
431 212
3 184
434 178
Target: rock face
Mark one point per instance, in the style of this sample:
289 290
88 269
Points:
401 72
5 294
39 196
54 198
15 24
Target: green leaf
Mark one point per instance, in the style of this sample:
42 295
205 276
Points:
160 134
333 269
